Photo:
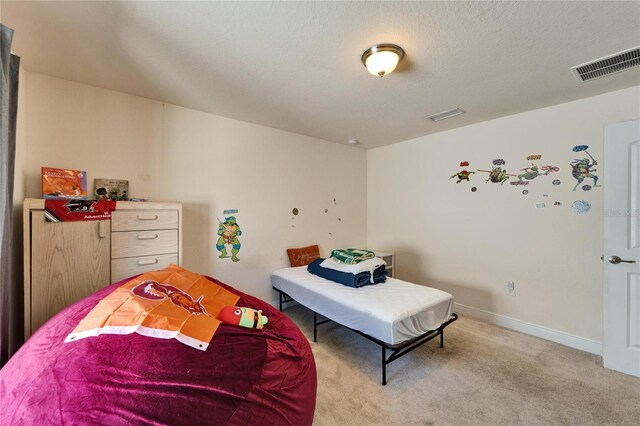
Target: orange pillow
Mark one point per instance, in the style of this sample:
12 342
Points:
303 255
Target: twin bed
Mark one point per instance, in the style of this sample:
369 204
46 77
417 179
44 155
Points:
397 315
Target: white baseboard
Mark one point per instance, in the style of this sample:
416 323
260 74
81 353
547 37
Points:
587 345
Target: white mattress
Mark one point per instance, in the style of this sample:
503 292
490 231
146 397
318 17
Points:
393 312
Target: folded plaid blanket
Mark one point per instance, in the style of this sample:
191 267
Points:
356 268
352 255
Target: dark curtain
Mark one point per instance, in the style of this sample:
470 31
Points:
8 114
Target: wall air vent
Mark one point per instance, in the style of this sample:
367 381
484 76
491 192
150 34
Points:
446 114
611 64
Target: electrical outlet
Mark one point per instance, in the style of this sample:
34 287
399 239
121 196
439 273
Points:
511 288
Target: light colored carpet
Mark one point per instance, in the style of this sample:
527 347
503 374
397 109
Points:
485 375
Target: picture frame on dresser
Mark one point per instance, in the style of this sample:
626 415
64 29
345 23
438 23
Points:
67 261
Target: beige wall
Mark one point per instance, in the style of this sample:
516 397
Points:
471 244
210 164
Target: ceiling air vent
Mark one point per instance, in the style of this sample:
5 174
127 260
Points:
608 65
446 114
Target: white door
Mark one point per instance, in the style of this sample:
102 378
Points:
621 345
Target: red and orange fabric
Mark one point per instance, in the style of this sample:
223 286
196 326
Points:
77 210
170 303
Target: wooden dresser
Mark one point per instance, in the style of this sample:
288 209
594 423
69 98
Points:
66 261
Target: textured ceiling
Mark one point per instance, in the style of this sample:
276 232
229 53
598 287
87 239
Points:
296 65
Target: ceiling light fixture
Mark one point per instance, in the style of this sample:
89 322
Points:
382 59
353 142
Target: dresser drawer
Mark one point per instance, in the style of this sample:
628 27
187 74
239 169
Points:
123 268
139 220
143 243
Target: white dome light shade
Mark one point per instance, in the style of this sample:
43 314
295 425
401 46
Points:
382 59
382 63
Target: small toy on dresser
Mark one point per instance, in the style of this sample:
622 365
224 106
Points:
244 317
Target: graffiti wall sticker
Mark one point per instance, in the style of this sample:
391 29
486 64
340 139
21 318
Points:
581 206
582 168
295 212
462 174
497 174
228 232
533 171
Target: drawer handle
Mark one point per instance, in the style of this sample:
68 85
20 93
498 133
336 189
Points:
147 262
101 230
147 217
147 237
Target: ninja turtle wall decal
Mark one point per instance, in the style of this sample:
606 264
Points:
533 171
582 168
228 232
462 174
497 174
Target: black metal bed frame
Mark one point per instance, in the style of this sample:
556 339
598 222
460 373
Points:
397 350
